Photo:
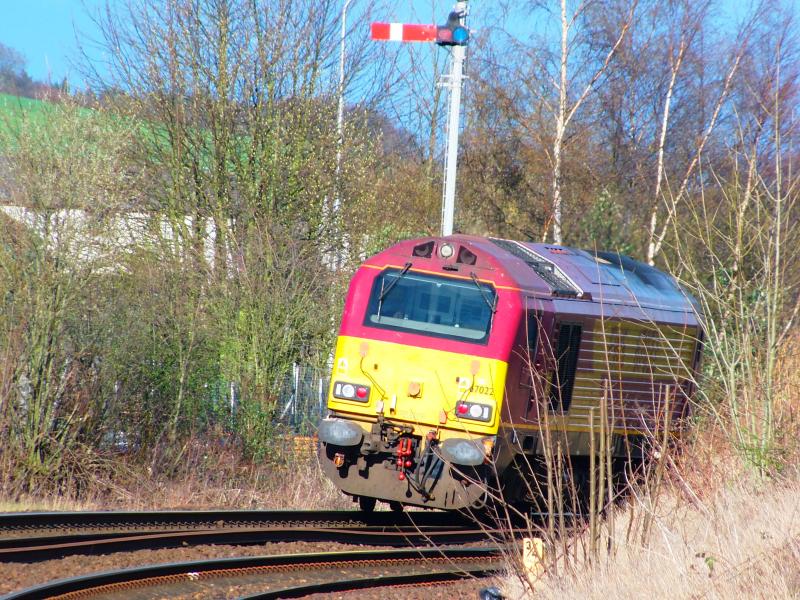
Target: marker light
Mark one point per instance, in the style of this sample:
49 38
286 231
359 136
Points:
350 391
473 411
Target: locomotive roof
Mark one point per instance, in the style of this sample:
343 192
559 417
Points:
562 271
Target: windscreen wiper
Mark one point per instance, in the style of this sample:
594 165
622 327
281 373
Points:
492 305
392 284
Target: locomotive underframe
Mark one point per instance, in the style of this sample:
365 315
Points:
393 464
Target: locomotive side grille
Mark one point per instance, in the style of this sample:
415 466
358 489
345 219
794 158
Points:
642 372
563 381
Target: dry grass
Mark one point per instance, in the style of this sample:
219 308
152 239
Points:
205 476
742 542
715 529
218 477
298 485
28 504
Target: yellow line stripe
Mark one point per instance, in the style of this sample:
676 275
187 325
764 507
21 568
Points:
572 429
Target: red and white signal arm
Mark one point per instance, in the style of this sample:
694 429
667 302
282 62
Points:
403 32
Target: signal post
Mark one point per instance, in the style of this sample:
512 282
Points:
453 33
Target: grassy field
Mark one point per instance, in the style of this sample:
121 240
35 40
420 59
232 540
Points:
13 109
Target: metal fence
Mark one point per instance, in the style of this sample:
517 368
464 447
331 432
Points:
300 399
302 396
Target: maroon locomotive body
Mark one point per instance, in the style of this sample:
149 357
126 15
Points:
464 362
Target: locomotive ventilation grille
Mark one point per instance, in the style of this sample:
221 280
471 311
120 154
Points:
638 376
551 274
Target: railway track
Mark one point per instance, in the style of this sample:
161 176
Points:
285 576
31 537
437 539
41 523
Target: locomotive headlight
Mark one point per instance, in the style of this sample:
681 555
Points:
474 411
351 391
446 251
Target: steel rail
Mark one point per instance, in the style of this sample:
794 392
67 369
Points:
27 523
40 549
450 561
349 585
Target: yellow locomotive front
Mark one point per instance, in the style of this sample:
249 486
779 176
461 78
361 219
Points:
419 371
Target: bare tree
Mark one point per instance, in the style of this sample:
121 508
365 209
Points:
569 99
657 237
689 26
68 178
237 105
736 243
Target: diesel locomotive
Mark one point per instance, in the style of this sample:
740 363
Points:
460 358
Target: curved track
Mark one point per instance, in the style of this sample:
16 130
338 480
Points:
41 523
286 576
29 537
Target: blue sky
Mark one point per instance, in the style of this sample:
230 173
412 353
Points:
45 30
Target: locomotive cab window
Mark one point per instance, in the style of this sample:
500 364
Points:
534 318
431 305
527 353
